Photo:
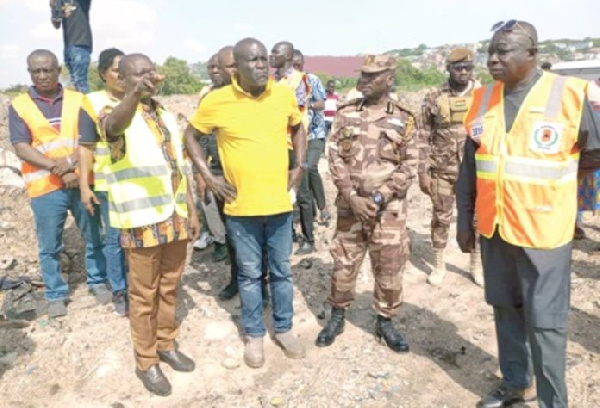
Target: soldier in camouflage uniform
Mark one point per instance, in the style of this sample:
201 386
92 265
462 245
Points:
442 138
373 159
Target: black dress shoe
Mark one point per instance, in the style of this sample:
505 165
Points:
504 397
385 330
334 326
177 360
154 380
229 292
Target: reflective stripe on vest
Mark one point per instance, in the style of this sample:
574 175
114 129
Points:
100 100
527 178
47 140
140 186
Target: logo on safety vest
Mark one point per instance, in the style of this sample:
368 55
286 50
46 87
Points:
546 138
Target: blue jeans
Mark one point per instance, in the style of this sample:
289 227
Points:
77 60
248 236
114 254
50 214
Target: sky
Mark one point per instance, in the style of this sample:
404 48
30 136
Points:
194 29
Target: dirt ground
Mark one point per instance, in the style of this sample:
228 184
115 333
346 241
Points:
85 359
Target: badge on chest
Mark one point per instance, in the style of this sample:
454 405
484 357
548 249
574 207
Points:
546 137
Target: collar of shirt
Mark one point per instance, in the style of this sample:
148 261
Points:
238 88
35 95
279 76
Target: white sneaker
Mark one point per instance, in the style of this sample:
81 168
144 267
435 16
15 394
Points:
205 240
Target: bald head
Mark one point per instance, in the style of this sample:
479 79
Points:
226 64
251 60
130 61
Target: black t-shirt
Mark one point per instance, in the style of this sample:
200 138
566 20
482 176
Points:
76 23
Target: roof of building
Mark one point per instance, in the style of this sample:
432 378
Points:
339 67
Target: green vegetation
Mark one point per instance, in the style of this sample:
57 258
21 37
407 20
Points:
179 79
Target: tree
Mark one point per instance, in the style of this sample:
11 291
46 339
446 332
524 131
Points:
179 79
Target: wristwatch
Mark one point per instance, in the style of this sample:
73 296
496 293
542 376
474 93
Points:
303 166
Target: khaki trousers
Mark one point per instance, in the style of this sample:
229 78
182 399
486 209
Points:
154 274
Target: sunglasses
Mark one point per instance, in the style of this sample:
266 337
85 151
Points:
460 66
510 26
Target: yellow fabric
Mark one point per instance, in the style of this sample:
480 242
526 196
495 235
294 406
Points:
140 187
252 141
527 178
49 141
93 103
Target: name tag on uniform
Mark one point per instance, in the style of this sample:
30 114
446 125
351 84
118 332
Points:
546 137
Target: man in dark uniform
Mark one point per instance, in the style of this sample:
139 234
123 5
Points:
373 159
529 135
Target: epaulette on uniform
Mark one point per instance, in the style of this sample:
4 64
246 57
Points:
355 101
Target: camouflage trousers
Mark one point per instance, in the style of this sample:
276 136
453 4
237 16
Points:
387 242
443 201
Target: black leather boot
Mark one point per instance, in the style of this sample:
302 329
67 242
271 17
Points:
334 326
385 330
230 290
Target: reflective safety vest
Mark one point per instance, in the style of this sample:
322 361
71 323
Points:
294 80
140 188
100 100
527 177
47 140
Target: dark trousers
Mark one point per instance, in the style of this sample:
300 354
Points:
231 249
305 204
530 292
316 147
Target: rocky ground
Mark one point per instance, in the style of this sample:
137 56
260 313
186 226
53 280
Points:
85 359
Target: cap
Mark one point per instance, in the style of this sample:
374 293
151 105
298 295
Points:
460 55
378 63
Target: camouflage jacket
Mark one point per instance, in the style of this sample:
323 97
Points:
373 148
442 134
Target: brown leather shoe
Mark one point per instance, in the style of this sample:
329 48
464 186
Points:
154 380
177 360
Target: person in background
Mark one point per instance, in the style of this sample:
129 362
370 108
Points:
43 127
441 144
94 156
74 17
331 105
589 184
316 146
214 232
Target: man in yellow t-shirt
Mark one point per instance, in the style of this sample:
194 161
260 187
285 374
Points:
251 117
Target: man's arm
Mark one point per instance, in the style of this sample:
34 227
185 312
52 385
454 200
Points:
88 136
424 145
318 95
466 188
217 185
589 137
340 174
299 141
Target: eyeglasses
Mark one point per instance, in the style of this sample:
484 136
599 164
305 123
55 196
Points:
510 26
